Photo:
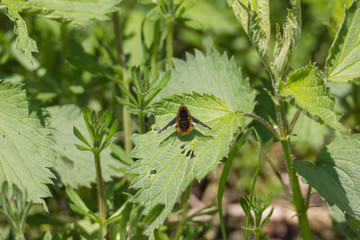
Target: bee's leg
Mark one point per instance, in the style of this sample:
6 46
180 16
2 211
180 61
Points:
172 122
195 120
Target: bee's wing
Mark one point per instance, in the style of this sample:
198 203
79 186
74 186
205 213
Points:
195 120
172 122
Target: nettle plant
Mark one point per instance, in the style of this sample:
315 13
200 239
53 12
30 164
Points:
214 90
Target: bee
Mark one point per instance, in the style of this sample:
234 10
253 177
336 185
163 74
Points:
184 121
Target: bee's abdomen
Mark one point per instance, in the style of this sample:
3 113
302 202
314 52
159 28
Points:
184 124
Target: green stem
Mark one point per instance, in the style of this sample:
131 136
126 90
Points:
298 201
296 117
264 122
142 117
101 195
121 59
169 43
154 48
185 205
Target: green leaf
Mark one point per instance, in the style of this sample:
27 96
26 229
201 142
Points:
169 162
75 167
122 101
286 42
26 144
23 41
335 173
79 135
306 90
343 61
112 131
74 12
121 154
254 17
212 74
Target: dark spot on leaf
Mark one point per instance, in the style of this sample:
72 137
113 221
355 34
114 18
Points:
4 136
19 133
153 172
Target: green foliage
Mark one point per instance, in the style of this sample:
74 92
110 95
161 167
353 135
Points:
145 87
211 73
254 17
74 167
26 144
258 205
23 41
343 62
15 207
334 174
286 42
179 160
75 12
306 90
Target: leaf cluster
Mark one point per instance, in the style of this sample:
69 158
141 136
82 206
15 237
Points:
97 126
145 87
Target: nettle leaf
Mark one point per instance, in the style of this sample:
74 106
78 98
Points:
254 17
75 167
26 144
212 74
286 42
335 173
170 162
306 90
74 12
23 41
343 61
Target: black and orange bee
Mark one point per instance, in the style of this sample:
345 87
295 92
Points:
184 121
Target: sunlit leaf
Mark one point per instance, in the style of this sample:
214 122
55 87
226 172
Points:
306 90
211 73
254 17
25 152
286 42
75 12
168 162
343 62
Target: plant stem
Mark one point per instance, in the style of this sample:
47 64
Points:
264 122
185 205
298 201
142 117
154 48
121 59
292 124
101 194
169 43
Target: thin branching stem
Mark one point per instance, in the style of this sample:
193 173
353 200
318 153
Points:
293 122
264 122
